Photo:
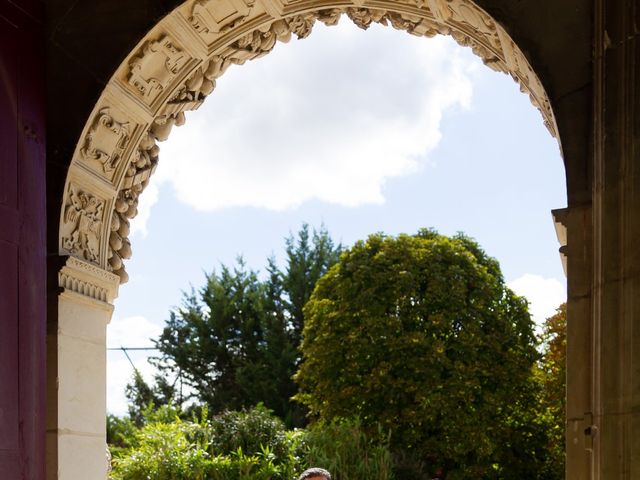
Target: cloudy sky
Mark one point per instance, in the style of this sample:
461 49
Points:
364 131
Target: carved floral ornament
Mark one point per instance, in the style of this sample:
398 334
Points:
164 76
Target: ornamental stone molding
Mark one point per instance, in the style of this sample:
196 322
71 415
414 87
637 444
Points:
88 280
175 67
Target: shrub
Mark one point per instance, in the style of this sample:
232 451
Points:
164 451
231 446
249 431
348 452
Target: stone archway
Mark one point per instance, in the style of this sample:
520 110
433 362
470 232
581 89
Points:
172 70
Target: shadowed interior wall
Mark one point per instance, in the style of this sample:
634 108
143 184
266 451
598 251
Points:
22 241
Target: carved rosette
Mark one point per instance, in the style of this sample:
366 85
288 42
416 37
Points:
167 81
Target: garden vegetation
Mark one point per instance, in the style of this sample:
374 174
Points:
411 359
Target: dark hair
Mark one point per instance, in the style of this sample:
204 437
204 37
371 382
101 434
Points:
315 472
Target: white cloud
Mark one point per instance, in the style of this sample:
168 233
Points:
127 332
331 118
131 332
544 294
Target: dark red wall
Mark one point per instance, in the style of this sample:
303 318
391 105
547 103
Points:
22 241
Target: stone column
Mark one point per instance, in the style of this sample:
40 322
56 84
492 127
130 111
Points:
76 351
574 229
616 240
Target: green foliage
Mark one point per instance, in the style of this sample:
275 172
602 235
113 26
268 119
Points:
141 395
348 452
553 377
308 259
164 451
120 433
234 445
234 342
248 445
421 335
248 431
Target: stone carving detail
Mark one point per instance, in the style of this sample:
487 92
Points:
126 204
253 45
69 282
88 280
200 84
211 18
153 69
259 42
81 225
106 141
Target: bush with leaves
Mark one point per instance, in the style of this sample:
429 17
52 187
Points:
343 447
249 431
251 445
233 445
165 451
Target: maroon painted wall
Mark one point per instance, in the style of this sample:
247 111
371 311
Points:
22 241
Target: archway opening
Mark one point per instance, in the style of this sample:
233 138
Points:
86 239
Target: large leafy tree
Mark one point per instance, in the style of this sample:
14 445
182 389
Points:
420 334
235 341
553 376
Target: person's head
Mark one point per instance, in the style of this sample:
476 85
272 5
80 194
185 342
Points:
315 474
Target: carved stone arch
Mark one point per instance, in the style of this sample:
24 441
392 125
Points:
174 68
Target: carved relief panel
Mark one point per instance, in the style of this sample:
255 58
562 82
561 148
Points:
153 70
106 141
81 226
211 18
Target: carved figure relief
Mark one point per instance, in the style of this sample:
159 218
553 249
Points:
211 18
106 141
81 225
152 70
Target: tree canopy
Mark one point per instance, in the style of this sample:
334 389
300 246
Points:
421 334
234 341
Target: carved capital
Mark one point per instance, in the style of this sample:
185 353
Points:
88 280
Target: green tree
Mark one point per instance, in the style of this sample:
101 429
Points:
553 376
235 341
214 340
420 334
309 256
141 395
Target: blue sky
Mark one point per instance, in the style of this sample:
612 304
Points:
364 131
